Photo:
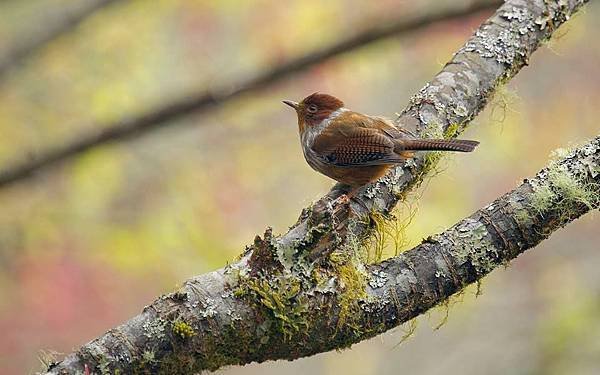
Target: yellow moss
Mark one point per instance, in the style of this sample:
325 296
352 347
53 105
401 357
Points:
352 283
389 230
445 306
183 329
503 101
380 238
560 153
148 357
572 190
281 296
389 233
478 288
561 192
554 41
542 199
408 329
452 130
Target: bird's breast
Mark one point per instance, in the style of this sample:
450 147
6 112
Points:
312 158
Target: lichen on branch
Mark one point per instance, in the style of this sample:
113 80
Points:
310 290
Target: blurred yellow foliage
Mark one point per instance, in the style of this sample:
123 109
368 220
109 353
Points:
85 245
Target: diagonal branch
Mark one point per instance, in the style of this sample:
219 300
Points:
51 32
224 318
136 126
309 291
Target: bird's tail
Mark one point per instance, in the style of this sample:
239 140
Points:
460 145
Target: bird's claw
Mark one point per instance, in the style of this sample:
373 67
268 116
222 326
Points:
343 199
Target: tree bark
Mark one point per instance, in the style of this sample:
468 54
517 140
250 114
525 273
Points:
310 291
135 126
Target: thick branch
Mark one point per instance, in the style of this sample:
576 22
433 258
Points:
146 122
51 32
206 325
307 292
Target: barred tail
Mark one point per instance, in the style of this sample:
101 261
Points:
436 145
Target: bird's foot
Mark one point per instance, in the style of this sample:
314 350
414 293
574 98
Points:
344 199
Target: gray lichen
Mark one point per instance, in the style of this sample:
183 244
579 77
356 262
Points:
378 279
209 308
504 44
154 328
475 246
276 302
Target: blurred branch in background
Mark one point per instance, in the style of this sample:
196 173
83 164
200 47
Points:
309 291
39 39
136 126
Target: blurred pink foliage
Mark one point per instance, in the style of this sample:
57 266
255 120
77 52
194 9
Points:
86 245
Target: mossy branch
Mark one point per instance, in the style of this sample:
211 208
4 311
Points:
310 290
229 317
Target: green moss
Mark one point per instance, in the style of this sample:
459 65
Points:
408 330
104 366
542 199
380 237
452 130
572 190
445 307
503 101
560 153
240 292
352 283
560 193
389 233
148 357
478 288
183 329
281 296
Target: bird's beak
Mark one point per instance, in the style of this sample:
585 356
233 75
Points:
291 104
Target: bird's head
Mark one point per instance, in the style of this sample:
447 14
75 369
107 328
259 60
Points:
315 108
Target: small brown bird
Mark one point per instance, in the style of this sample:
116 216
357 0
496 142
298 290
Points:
357 149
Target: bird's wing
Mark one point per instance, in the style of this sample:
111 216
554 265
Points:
356 140
386 126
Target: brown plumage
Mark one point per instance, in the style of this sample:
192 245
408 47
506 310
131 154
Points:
356 149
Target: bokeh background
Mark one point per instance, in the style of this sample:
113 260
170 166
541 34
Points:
85 245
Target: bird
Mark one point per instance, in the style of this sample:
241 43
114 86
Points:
357 149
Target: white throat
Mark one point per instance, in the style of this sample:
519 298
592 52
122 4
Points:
311 132
317 129
323 124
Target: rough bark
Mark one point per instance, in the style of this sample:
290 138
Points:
232 317
136 126
309 291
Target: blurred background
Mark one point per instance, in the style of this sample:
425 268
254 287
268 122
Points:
86 244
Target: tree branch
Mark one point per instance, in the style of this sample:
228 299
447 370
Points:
224 318
309 291
51 32
136 126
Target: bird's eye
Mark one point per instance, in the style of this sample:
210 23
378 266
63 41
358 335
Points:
312 108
